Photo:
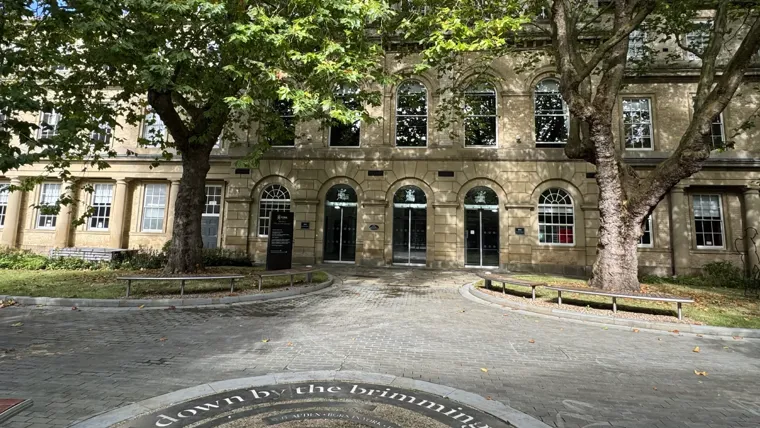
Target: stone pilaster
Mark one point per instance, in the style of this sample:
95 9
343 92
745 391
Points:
304 239
172 202
12 215
680 230
63 222
752 219
118 213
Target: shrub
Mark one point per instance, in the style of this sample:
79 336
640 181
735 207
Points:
722 274
22 259
222 257
141 259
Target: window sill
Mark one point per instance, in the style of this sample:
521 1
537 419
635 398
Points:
550 145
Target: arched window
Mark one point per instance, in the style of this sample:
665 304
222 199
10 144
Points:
409 197
273 198
341 195
481 197
550 110
556 220
480 116
411 115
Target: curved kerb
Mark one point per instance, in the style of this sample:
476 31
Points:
510 416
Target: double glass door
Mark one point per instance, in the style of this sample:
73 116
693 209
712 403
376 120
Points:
409 236
482 237
340 234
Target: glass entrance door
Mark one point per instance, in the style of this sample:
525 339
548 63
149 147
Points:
340 225
481 228
482 238
410 227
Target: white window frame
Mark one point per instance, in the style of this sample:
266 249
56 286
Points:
541 206
495 116
4 196
722 221
690 56
565 112
650 123
268 205
649 225
154 205
426 115
146 127
52 130
47 197
216 198
722 135
636 42
104 201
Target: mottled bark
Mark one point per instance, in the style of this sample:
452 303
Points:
186 251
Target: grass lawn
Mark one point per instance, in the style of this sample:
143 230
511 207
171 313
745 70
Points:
716 306
102 284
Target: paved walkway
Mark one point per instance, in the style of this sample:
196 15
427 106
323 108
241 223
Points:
410 323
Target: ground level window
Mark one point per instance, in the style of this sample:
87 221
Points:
48 197
274 198
3 203
556 219
646 239
154 207
102 196
708 221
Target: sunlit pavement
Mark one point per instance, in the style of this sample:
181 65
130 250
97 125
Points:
411 323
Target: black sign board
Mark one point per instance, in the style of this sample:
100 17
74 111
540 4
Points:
305 225
280 244
519 231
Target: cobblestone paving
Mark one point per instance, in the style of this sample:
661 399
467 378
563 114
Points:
410 323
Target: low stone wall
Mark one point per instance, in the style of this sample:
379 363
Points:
91 254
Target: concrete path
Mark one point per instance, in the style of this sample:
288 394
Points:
410 323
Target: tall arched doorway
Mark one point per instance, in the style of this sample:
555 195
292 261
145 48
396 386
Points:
481 227
340 224
409 226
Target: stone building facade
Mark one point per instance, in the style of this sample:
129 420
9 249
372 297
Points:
399 191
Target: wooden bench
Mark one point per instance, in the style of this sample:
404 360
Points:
622 295
307 270
489 277
181 279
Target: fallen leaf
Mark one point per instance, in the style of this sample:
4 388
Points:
605 328
17 324
171 308
531 341
699 335
163 339
73 308
695 349
674 331
659 338
461 310
484 370
738 338
141 306
290 343
698 373
265 340
635 330
655 388
488 397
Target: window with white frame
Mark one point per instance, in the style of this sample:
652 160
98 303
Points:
637 123
3 203
636 45
346 134
154 207
102 197
708 221
480 116
102 135
153 127
411 115
49 193
646 239
552 119
213 200
556 218
718 133
273 198
49 121
697 40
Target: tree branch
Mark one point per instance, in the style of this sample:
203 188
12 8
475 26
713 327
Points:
162 103
711 54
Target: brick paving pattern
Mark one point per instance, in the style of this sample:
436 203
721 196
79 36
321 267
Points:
411 323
